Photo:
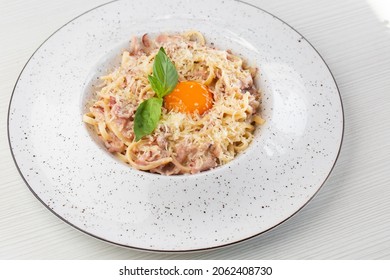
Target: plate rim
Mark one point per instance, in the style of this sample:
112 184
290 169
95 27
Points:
180 250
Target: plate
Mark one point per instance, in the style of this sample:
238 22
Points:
72 174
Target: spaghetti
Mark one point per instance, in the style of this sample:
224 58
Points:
182 143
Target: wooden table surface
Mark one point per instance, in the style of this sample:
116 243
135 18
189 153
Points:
350 216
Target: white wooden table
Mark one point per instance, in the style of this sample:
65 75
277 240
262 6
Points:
348 219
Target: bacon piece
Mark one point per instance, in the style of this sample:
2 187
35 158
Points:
183 152
215 150
150 152
135 46
162 142
115 144
112 101
148 44
167 169
162 38
121 123
208 163
119 110
197 158
146 40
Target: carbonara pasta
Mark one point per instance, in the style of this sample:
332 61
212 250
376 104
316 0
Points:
182 143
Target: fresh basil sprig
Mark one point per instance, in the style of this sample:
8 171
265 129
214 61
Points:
165 76
163 81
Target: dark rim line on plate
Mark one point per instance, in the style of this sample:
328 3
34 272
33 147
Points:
189 250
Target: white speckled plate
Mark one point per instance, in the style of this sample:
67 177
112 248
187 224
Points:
78 180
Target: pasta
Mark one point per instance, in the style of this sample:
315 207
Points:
182 143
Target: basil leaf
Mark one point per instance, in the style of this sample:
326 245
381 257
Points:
164 73
155 84
146 117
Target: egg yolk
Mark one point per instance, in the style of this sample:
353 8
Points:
188 97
